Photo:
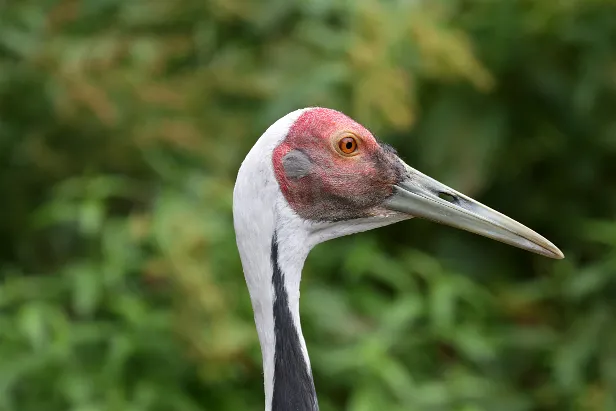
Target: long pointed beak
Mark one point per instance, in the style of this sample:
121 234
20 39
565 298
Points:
420 196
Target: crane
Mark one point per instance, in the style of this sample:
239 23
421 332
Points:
314 175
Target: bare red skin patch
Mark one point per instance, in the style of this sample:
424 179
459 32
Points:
337 187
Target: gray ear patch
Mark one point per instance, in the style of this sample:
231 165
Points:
296 164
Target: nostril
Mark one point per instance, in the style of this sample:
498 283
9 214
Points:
447 197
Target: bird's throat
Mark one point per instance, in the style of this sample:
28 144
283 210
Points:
293 384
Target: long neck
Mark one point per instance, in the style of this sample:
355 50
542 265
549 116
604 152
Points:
272 261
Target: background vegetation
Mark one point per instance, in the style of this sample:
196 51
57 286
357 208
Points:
123 124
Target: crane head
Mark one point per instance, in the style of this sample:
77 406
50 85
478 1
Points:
316 174
331 170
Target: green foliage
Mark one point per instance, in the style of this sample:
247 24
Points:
123 123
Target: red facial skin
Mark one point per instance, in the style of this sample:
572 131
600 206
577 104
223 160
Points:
336 186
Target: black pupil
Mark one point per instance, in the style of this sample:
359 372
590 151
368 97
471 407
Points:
349 145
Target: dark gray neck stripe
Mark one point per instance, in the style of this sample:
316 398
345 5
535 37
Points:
293 384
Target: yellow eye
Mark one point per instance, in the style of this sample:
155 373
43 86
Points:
348 145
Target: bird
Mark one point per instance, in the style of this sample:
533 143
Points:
314 175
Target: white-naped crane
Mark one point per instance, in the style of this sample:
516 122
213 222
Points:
314 175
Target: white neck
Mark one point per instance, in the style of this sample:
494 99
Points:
273 275
259 213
